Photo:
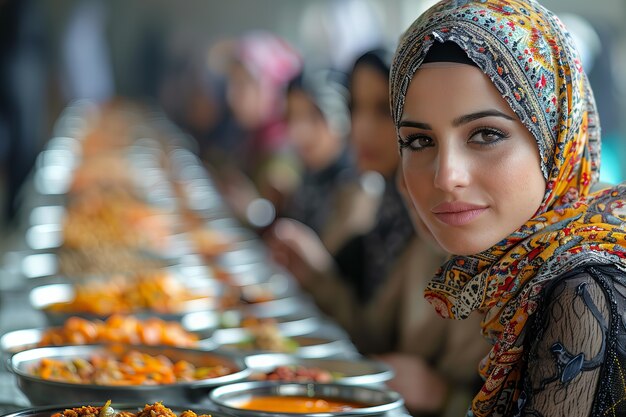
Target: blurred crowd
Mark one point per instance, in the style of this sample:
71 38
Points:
303 147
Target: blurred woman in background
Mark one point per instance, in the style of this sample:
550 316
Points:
364 262
260 67
329 198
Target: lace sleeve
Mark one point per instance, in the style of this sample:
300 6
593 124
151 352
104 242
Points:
568 350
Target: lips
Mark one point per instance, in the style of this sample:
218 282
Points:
457 213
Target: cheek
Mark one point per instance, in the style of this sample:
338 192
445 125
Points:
419 182
517 187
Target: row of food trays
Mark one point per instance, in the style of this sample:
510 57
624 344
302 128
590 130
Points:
157 301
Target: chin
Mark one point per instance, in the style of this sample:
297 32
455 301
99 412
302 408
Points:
457 246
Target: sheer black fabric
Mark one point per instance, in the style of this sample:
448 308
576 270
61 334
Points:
577 347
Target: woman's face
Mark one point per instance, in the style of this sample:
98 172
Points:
313 139
245 97
472 169
373 130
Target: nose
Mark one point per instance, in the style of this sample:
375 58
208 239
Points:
452 169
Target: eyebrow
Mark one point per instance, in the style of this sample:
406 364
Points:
461 120
479 115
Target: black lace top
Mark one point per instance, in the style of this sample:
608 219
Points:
577 356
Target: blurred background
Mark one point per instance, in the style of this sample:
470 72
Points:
175 55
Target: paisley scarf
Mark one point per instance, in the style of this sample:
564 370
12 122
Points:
529 56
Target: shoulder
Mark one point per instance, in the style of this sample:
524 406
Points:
603 281
572 336
585 291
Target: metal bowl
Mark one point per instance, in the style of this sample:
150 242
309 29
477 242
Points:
44 392
348 371
39 265
311 345
279 307
19 340
243 255
275 287
44 236
205 323
47 411
376 401
248 273
44 296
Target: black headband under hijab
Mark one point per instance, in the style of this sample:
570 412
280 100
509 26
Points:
447 52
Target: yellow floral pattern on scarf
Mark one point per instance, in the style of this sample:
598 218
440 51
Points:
530 58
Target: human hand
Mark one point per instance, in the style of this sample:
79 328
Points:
296 247
421 387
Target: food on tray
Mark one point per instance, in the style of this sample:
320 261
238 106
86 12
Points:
113 216
234 318
155 291
286 404
106 170
119 329
256 294
131 368
150 410
296 373
104 260
210 242
265 335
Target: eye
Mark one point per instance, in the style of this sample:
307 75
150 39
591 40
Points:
416 142
487 136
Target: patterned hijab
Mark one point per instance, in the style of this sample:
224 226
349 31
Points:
530 58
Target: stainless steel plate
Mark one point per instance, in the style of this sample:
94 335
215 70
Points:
44 296
312 345
276 286
376 401
205 323
18 340
44 392
134 408
347 371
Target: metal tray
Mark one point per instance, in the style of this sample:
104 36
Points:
279 307
248 273
350 371
43 296
276 286
205 323
47 411
43 392
377 401
311 345
19 340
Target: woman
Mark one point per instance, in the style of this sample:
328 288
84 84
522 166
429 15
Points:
364 262
499 138
367 260
384 313
261 65
329 198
